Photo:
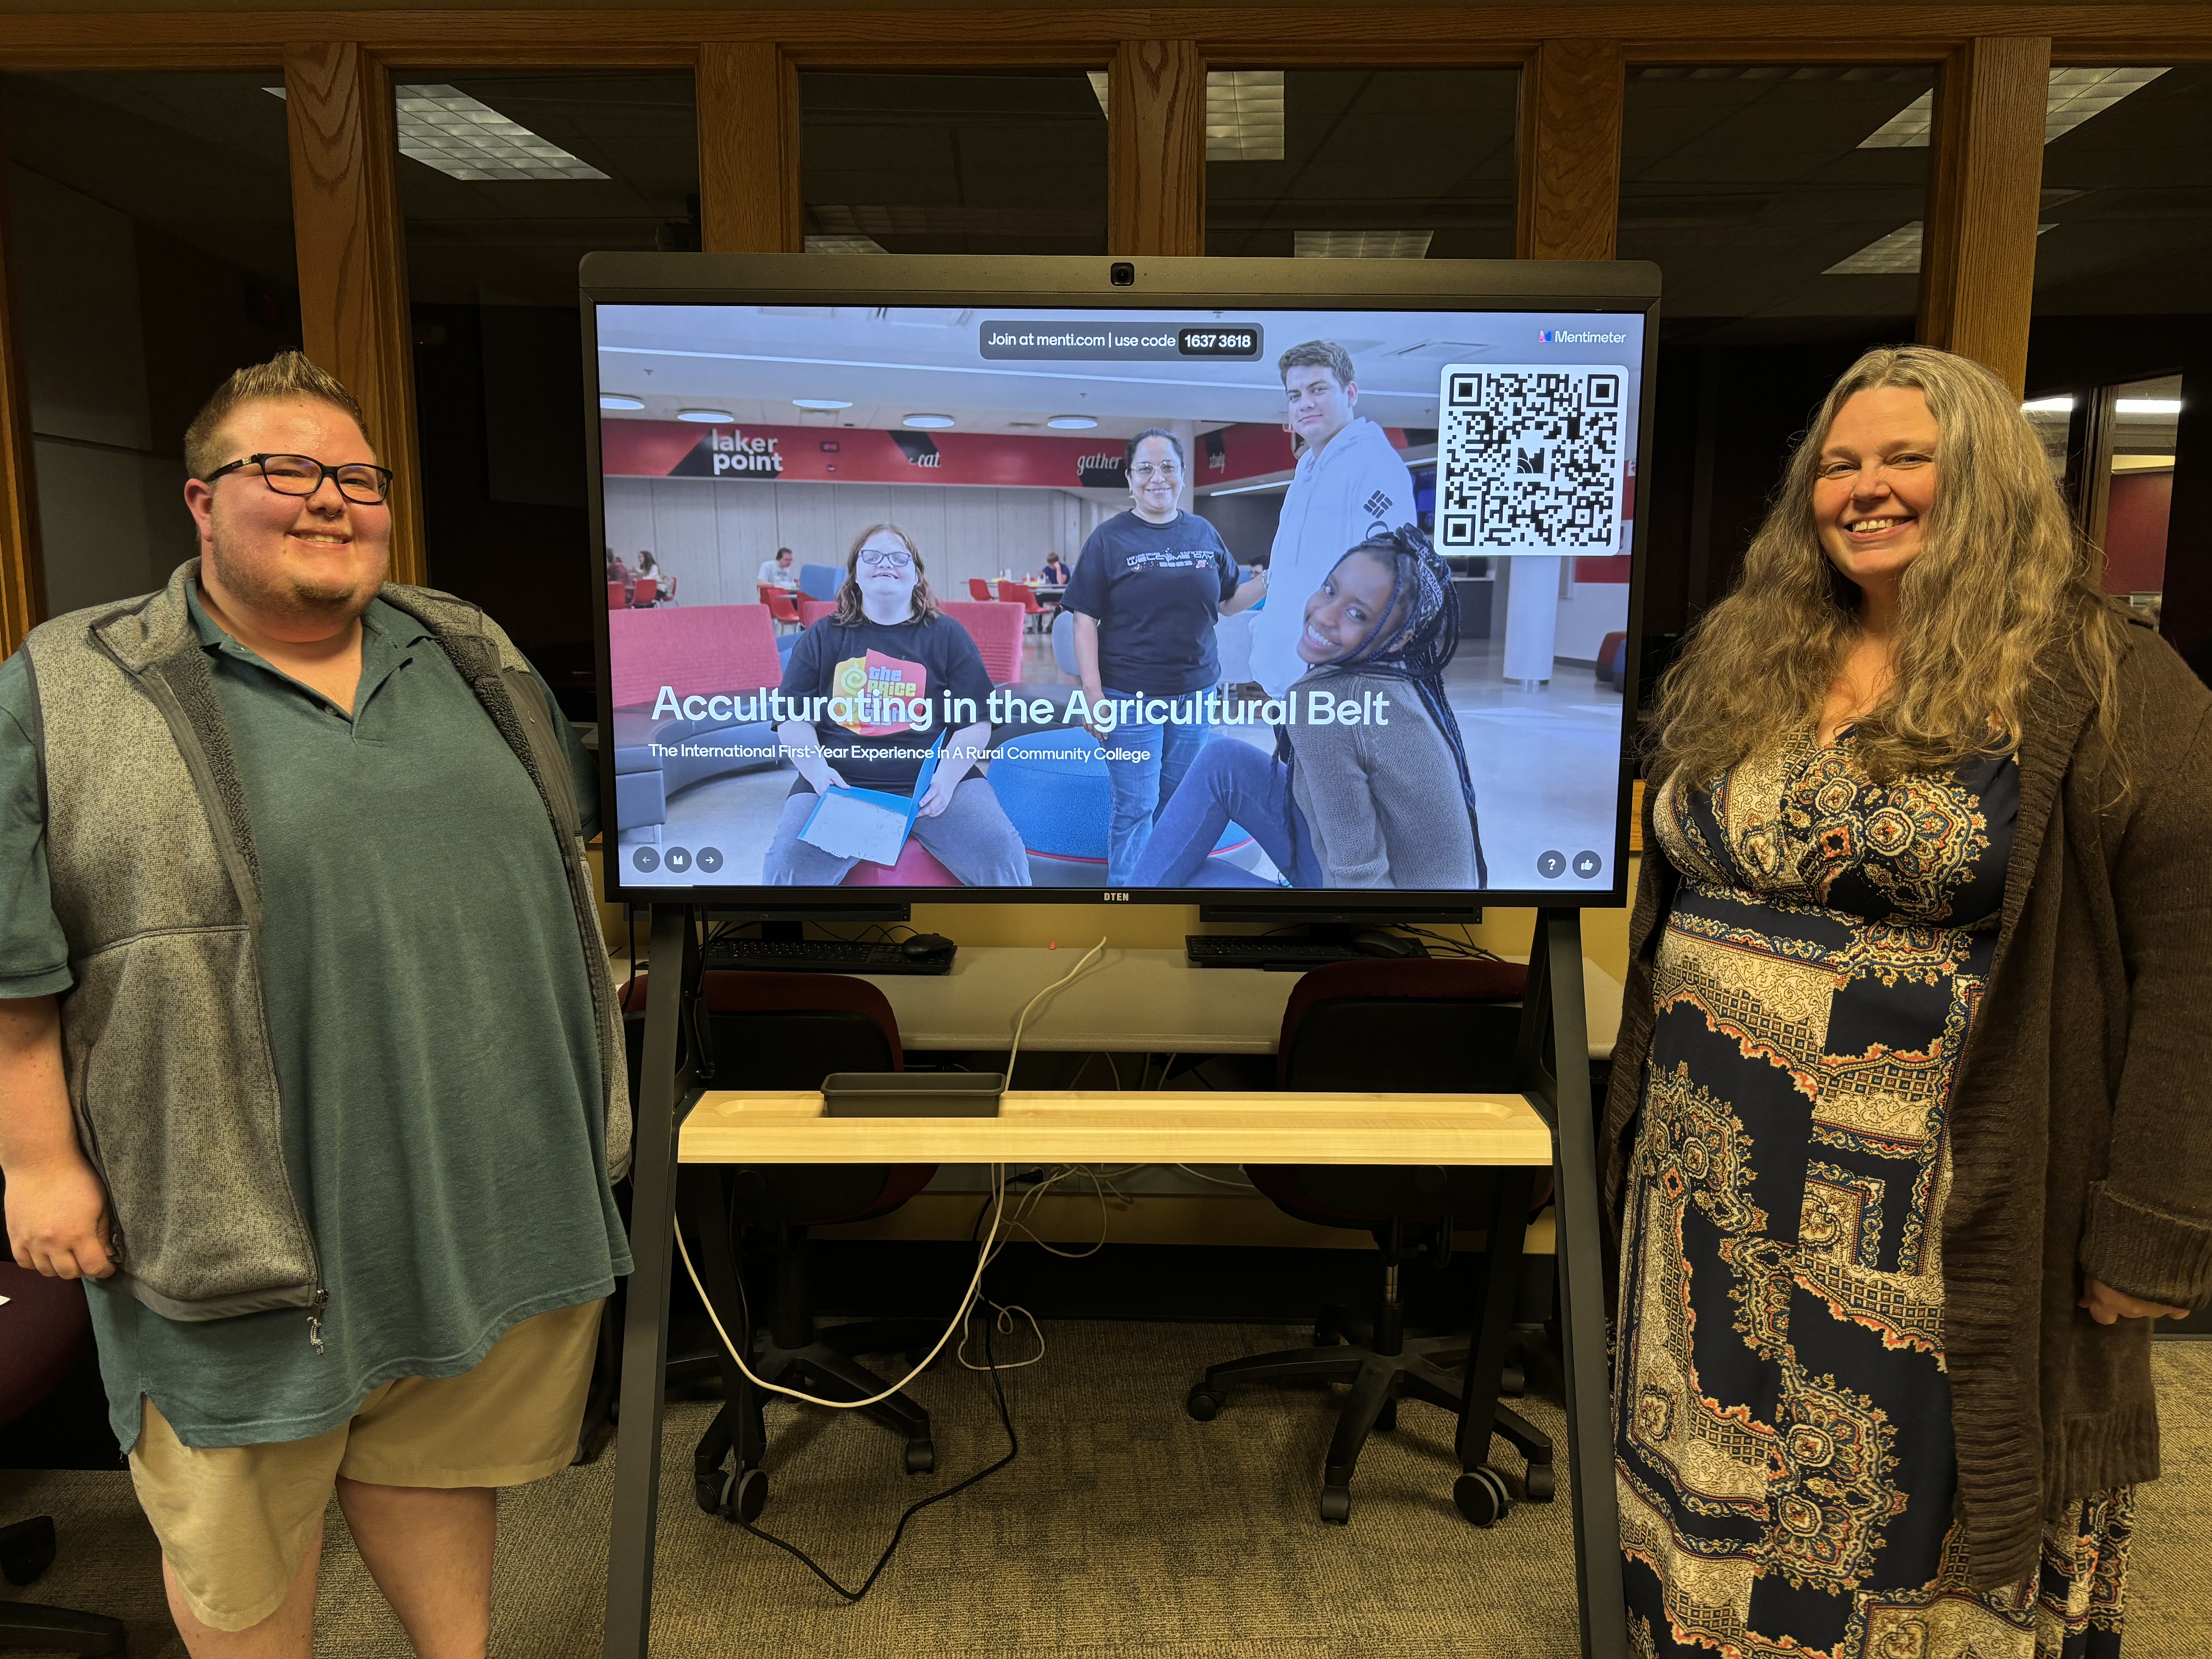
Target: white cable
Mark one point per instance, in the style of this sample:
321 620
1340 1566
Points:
982 1257
1006 1329
1216 1180
1023 1019
959 1319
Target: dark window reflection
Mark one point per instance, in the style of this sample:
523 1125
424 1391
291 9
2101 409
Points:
507 181
930 163
1360 163
149 231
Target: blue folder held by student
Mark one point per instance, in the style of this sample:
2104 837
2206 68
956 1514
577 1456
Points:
866 824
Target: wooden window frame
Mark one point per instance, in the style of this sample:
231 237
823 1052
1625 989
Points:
1976 283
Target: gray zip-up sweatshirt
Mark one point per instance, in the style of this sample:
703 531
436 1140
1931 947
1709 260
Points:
165 1039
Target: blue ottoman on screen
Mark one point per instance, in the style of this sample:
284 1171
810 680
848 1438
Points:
1054 787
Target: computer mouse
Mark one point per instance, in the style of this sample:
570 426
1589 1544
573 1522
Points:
927 944
1381 942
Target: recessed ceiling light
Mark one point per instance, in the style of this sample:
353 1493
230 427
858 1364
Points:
823 405
930 421
1071 423
1361 244
708 416
464 137
2147 405
620 400
2048 406
2074 95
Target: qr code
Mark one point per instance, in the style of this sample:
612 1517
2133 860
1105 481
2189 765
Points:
1530 458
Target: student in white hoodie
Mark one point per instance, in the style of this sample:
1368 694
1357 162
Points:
1349 482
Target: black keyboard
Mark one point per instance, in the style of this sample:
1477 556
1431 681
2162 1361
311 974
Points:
1282 956
821 955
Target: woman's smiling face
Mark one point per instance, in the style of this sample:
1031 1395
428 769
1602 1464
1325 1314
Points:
1876 483
1156 478
1345 609
884 570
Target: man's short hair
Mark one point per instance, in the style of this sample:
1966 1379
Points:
287 375
1317 353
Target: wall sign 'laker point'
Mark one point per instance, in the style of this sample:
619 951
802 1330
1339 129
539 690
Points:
731 454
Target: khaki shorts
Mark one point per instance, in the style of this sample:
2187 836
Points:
236 1522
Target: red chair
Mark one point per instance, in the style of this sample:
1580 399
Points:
997 630
1019 593
787 1032
915 867
646 592
783 606
698 648
44 1329
812 611
980 590
1412 1026
766 591
617 595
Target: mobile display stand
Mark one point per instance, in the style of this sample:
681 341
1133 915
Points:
1552 1065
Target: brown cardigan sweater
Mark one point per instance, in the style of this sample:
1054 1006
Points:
2081 1120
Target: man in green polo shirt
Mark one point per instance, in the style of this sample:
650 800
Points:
310 1064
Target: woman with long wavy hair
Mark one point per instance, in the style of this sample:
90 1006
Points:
1906 1138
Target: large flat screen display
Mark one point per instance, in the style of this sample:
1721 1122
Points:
1317 591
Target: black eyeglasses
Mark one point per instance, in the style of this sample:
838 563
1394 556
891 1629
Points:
303 475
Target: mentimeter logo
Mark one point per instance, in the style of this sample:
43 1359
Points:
1578 337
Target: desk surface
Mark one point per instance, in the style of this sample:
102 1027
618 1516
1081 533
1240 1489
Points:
1139 1001
1074 1127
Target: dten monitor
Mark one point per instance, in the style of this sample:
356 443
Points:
1311 584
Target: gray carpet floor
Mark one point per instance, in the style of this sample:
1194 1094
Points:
1124 1528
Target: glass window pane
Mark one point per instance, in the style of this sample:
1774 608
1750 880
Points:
149 230
932 163
1783 205
1361 163
2122 300
2139 501
507 181
2125 196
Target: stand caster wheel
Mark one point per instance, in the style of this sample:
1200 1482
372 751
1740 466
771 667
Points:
709 1490
1386 1420
1203 1406
748 1495
1512 1381
1543 1484
921 1457
1480 1496
1336 1505
1327 1336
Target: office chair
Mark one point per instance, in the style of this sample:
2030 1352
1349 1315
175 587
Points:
1019 593
45 1328
768 1030
1408 1026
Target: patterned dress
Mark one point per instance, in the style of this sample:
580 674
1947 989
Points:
1782 1440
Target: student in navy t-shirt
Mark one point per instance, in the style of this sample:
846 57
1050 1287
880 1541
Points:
873 681
1146 593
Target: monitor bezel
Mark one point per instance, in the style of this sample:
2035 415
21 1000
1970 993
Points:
1595 286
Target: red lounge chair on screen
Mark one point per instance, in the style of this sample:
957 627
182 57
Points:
996 629
617 595
980 590
1019 593
780 605
812 611
646 593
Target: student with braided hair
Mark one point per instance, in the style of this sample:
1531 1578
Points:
1382 802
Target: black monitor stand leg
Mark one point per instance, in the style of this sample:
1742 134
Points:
1556 970
664 1094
